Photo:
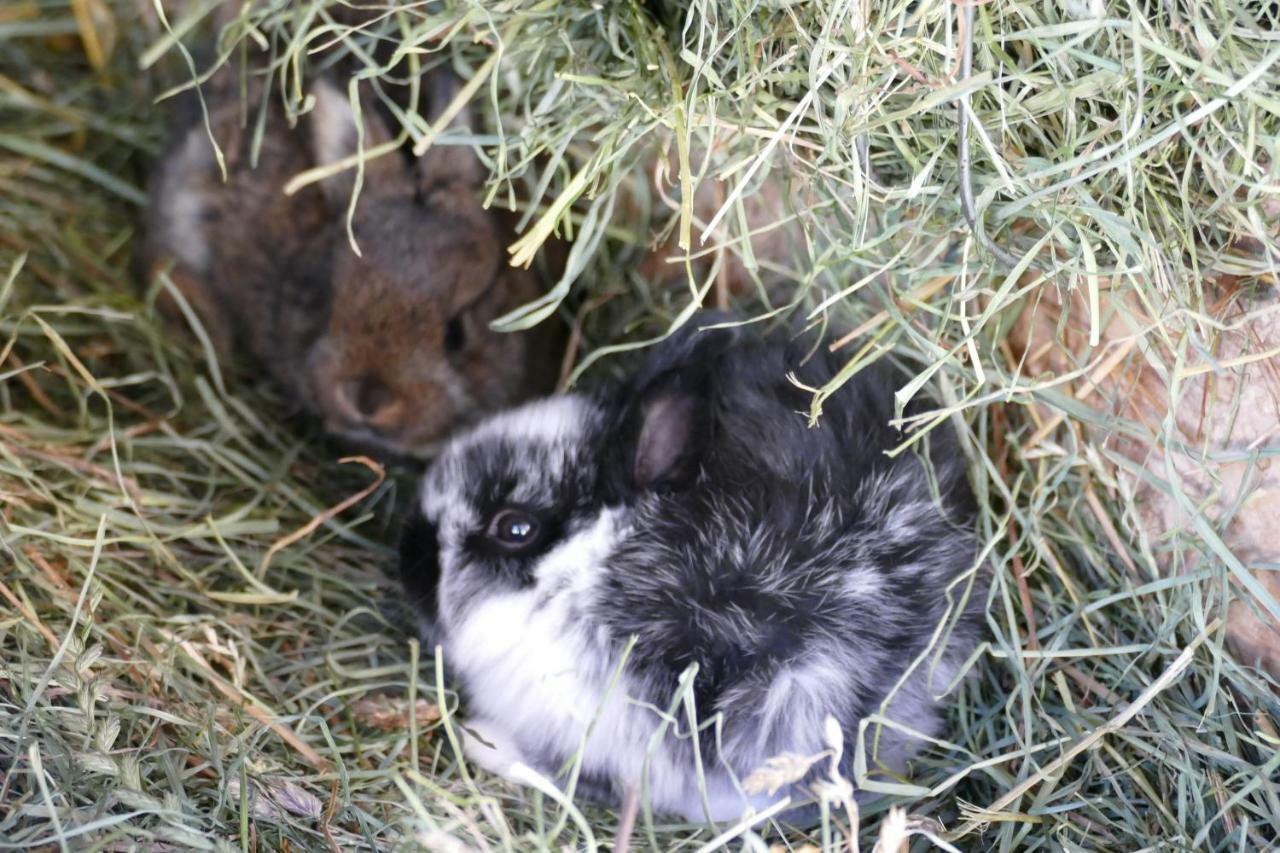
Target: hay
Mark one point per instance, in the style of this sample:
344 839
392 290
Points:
162 685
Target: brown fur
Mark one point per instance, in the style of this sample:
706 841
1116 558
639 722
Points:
1220 411
776 240
390 347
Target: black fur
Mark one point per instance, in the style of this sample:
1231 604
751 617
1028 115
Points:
801 569
420 566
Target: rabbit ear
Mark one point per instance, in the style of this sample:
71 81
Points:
668 440
334 137
445 165
665 416
672 403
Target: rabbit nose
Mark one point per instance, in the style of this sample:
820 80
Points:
369 401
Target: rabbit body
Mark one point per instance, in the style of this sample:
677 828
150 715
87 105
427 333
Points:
391 346
801 570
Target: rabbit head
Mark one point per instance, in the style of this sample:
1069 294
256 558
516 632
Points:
407 354
499 499
547 490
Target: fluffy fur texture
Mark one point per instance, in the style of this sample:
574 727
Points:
391 347
802 571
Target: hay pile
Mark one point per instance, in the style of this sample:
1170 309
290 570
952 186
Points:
196 652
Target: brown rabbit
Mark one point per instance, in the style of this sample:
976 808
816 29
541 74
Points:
391 347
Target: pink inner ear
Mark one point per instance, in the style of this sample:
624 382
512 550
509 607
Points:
667 430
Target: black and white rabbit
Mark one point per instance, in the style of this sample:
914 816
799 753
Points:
802 570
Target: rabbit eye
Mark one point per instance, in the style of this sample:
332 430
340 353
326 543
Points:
455 336
514 529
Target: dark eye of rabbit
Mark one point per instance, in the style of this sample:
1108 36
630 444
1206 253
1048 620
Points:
514 530
455 336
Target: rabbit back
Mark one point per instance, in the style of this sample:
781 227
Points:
805 568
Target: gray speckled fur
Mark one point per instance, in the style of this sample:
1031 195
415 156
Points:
801 570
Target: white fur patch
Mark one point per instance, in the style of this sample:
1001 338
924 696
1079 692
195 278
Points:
551 421
490 747
862 583
538 680
905 521
799 699
572 569
525 653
